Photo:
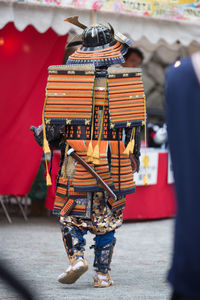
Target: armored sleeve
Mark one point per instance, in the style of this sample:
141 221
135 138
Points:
54 133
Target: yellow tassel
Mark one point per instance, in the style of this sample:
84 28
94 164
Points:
145 163
90 150
146 157
96 151
90 159
130 147
96 161
46 147
48 179
145 179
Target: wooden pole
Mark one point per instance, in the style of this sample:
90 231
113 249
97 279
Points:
92 17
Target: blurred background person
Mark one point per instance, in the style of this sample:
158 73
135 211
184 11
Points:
183 106
133 58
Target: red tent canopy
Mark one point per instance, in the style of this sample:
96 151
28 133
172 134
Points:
24 60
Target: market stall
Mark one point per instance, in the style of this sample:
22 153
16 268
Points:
33 36
167 20
157 200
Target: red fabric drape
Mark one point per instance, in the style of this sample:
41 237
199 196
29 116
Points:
24 60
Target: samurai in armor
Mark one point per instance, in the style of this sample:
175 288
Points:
96 111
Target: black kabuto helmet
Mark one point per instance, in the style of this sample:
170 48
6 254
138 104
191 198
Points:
97 36
99 46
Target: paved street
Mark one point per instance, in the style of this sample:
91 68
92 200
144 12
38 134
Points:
141 259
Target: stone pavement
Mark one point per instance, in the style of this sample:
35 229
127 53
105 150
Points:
141 259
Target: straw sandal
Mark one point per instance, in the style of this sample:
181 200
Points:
78 266
102 280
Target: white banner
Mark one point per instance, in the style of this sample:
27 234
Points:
170 174
49 2
152 169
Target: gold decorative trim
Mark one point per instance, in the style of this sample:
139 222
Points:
56 94
100 89
136 96
87 122
71 72
89 73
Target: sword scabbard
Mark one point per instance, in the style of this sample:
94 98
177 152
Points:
93 173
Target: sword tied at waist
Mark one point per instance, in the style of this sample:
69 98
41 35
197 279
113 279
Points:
99 180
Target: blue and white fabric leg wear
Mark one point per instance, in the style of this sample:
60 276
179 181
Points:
73 239
103 250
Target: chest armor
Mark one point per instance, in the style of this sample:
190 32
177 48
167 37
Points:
96 106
